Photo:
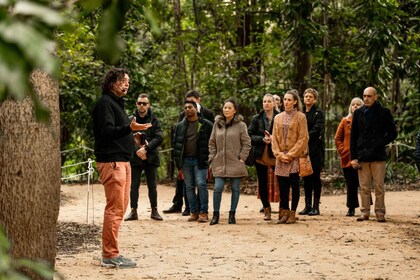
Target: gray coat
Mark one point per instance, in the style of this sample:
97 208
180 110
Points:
227 146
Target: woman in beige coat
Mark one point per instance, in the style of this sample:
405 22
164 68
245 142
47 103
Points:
229 146
289 143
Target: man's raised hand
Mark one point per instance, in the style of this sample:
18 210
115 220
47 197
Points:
139 126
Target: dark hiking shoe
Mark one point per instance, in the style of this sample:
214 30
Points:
118 262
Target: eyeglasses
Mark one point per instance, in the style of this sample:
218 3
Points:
142 103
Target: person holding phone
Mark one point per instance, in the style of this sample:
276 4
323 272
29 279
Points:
259 130
145 157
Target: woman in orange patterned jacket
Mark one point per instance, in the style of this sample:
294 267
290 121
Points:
342 142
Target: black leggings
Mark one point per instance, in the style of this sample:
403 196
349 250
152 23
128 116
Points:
284 185
262 173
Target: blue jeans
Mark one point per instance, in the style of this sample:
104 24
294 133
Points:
219 185
193 176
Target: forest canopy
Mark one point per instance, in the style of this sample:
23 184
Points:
241 49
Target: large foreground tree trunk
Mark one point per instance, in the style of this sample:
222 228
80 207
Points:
30 174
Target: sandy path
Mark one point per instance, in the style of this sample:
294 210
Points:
330 246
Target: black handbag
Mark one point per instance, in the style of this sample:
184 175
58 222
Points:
251 157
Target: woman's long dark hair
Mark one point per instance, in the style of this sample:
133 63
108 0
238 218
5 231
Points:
114 75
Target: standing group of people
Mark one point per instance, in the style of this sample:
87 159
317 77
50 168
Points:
198 144
281 134
361 138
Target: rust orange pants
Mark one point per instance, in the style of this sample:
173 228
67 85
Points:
116 178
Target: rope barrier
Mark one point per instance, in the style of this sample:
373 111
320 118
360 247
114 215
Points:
78 148
89 172
75 164
75 175
89 191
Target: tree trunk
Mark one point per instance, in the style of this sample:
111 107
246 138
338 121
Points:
180 52
30 174
249 68
303 70
303 53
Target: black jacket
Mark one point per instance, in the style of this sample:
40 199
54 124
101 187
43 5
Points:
111 129
204 132
372 129
154 137
315 119
256 132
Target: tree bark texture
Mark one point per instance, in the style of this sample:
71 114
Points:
248 30
303 70
30 174
180 52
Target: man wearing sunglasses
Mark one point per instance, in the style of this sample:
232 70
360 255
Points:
146 158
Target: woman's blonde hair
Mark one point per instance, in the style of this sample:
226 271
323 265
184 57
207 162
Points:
353 101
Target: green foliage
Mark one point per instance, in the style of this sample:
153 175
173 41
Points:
401 173
408 121
222 49
10 268
26 43
110 44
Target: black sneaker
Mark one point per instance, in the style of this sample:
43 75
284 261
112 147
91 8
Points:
186 212
173 209
118 262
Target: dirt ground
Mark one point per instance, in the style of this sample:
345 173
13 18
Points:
329 246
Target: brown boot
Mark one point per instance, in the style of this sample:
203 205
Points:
193 217
284 217
280 213
203 218
132 216
267 214
380 218
292 217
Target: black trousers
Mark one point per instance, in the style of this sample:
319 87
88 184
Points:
312 183
352 183
284 186
180 195
151 179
